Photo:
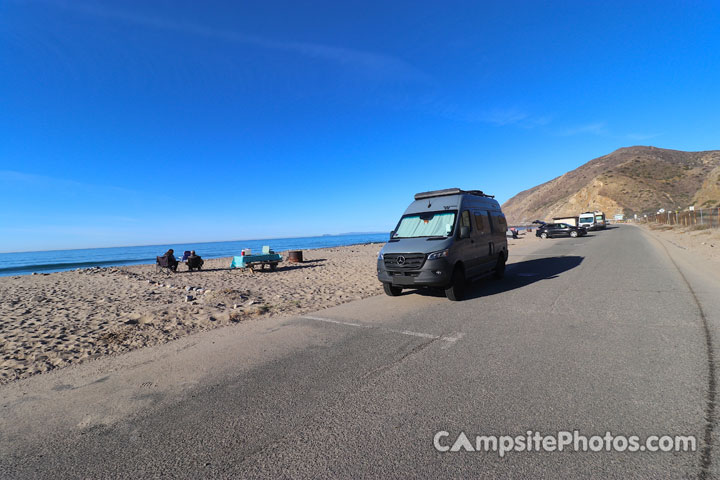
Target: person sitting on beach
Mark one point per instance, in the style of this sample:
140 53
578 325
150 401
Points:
171 260
194 261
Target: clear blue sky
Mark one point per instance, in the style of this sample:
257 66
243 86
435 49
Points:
136 122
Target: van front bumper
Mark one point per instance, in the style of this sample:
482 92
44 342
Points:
434 273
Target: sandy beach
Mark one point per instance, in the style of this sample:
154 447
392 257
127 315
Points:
54 320
50 321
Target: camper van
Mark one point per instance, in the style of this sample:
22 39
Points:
445 239
587 221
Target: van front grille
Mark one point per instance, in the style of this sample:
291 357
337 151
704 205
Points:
404 261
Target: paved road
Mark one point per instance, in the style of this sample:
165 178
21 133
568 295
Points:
612 332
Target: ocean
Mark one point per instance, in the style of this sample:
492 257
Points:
23 263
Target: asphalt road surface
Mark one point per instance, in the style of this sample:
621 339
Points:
614 332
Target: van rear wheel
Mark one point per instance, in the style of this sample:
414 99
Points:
456 290
390 290
500 268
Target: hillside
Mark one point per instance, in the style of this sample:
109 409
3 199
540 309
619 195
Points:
629 180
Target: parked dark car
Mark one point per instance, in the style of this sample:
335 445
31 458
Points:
550 230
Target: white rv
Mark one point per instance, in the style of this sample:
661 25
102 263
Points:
600 221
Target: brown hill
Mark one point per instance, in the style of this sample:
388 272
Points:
629 180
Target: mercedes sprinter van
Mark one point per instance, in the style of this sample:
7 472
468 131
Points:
445 239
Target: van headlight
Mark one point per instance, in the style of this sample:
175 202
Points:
380 255
440 254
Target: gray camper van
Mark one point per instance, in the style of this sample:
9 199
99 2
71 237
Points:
444 239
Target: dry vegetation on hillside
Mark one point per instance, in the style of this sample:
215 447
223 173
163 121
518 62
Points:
629 180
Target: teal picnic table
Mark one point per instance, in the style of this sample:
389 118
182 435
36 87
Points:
254 261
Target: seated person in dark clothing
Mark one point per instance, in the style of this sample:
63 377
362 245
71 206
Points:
194 261
171 260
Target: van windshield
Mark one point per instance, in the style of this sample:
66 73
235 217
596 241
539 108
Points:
429 224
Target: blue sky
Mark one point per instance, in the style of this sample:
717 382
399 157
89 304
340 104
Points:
134 122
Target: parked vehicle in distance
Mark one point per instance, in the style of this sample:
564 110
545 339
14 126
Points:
569 220
445 239
600 220
552 230
587 221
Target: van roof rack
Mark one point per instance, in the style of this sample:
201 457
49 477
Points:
450 191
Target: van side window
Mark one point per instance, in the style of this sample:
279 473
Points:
482 222
479 222
499 223
503 222
465 219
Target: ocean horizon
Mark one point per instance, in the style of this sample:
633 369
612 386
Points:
49 261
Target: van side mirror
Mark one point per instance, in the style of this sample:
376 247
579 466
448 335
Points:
392 233
464 232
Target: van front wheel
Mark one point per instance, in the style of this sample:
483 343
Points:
456 290
390 290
